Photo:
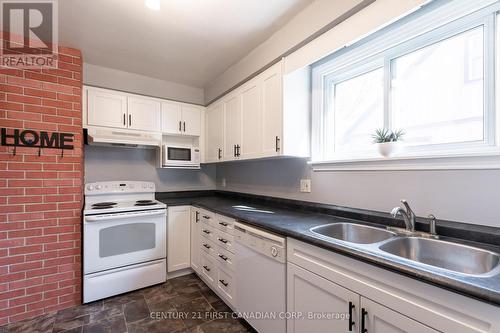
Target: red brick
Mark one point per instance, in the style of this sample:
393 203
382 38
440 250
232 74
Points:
41 240
25 266
25 199
58 87
40 207
23 82
18 115
25 183
11 89
41 77
24 99
25 249
11 106
40 93
41 272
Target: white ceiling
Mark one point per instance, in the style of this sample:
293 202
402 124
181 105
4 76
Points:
188 41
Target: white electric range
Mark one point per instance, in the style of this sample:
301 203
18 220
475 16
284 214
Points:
124 238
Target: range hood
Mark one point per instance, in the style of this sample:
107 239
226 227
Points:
122 138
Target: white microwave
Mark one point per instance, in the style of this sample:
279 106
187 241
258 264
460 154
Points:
177 156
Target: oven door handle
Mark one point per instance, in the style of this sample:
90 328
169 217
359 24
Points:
99 218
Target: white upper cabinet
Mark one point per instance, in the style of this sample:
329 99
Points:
106 108
144 114
181 119
251 121
171 115
110 108
272 124
232 127
215 133
191 120
268 116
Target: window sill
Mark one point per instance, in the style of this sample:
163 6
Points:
483 161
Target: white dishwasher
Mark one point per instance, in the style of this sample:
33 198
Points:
260 278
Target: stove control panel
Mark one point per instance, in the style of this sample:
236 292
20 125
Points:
119 187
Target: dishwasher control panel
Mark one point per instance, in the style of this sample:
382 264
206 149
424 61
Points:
260 241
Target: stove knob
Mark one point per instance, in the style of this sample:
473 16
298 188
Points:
98 187
90 187
274 251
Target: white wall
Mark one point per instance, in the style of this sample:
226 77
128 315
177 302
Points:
314 17
110 163
469 196
115 79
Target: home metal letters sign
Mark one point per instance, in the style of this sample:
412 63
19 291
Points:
36 139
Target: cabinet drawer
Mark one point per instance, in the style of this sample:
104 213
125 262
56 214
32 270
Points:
225 259
208 269
208 233
208 247
225 285
224 240
208 218
225 224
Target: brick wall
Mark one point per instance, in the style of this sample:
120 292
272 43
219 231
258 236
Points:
41 196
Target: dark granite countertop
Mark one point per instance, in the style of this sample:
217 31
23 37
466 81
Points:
294 219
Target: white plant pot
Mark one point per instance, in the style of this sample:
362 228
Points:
388 149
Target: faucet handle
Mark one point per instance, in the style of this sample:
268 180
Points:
432 224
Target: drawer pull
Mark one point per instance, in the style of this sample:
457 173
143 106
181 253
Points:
223 257
223 240
224 224
206 268
207 246
206 217
206 231
224 283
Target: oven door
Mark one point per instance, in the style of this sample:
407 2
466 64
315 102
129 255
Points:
117 240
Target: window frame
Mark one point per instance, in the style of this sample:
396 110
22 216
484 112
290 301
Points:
382 50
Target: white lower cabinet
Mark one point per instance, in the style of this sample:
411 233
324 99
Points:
321 281
379 319
216 257
195 239
309 294
179 238
324 306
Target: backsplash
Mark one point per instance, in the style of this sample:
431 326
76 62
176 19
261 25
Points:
455 195
109 163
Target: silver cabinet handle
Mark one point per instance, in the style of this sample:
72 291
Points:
184 124
130 120
124 119
180 126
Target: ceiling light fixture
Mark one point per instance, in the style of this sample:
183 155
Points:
153 4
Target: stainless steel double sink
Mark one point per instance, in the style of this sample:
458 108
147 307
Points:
445 255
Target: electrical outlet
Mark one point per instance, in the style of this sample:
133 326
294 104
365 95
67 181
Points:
223 182
305 185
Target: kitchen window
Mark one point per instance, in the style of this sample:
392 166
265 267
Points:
430 78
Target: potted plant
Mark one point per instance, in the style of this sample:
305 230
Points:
387 141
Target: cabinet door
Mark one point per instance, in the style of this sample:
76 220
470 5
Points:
144 114
272 104
251 119
179 238
191 120
215 133
308 293
195 239
171 118
379 319
232 126
106 108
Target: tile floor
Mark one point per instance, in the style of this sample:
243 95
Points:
181 305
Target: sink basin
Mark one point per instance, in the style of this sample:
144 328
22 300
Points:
450 256
353 233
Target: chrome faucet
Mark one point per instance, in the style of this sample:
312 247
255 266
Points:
407 213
